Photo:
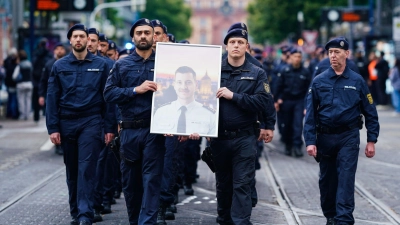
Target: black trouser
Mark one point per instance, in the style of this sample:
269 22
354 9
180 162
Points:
35 104
192 155
235 170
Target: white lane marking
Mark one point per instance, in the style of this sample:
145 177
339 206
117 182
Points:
47 146
187 200
206 198
212 202
197 202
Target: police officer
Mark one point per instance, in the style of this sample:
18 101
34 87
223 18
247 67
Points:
171 38
124 53
103 44
131 86
59 52
243 94
160 31
75 106
112 51
335 100
291 89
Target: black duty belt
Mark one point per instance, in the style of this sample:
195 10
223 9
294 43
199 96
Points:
78 116
231 134
336 130
142 123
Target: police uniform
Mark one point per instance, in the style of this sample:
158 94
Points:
234 149
325 64
75 109
291 87
334 105
199 119
142 153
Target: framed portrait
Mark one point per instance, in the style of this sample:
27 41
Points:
188 77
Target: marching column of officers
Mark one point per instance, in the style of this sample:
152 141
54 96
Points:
98 109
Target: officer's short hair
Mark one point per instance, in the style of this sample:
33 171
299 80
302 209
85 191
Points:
186 69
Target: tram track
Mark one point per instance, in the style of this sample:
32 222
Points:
31 189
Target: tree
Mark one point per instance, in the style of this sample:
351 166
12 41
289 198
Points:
173 13
275 20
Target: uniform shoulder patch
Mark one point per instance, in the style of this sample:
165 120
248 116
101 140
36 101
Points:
209 109
370 100
267 88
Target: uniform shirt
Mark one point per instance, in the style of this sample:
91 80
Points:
126 74
335 101
199 119
74 87
251 95
292 83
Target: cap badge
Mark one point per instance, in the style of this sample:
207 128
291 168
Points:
158 22
147 20
243 32
112 45
341 43
242 24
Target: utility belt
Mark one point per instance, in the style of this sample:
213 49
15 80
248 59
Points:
231 134
78 116
135 124
341 129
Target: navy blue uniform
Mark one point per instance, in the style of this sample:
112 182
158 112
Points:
291 87
233 151
142 153
75 109
334 104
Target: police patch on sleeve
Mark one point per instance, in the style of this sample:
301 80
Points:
369 96
266 87
309 91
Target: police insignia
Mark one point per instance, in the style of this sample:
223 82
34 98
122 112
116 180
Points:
309 90
342 43
266 87
158 22
242 24
147 20
371 101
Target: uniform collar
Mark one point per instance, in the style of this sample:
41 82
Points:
189 106
89 57
344 74
226 67
136 57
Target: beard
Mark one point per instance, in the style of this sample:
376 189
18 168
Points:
146 46
79 49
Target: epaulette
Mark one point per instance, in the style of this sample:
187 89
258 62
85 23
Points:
209 109
168 103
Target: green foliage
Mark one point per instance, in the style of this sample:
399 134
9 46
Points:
276 20
173 13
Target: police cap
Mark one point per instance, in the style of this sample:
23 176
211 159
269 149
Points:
238 26
112 45
158 23
77 26
125 52
294 50
184 41
58 44
339 42
285 49
236 33
171 38
140 22
103 37
93 31
258 56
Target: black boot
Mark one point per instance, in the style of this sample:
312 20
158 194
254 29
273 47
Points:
106 208
188 189
74 221
117 194
288 150
173 208
97 217
161 216
298 152
330 221
169 215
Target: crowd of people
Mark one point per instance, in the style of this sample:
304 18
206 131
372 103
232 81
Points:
97 100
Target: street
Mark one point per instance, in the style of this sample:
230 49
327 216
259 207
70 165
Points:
33 188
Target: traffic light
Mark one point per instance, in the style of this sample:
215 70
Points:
65 5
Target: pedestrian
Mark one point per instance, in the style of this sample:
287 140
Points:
244 92
75 112
41 56
395 81
291 89
130 85
382 69
336 99
23 76
9 65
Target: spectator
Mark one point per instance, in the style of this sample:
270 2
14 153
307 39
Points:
382 68
395 80
9 65
24 86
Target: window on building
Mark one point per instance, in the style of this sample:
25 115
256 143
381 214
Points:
203 38
203 22
198 4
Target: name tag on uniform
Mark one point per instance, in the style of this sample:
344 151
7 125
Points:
350 87
93 70
247 78
152 70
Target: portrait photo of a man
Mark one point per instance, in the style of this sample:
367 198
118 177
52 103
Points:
185 101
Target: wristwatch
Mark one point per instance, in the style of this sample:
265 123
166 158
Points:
134 91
